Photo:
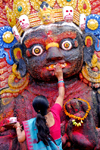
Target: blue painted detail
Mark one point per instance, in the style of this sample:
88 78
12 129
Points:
96 32
3 45
97 45
3 54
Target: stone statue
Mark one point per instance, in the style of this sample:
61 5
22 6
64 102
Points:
39 48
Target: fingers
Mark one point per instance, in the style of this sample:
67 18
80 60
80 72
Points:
58 66
16 125
58 71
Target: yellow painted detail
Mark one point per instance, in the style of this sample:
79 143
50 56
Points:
90 75
53 44
15 72
46 15
24 4
8 37
10 16
63 3
15 51
88 37
81 9
92 24
95 62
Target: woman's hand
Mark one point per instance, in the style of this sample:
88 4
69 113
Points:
20 133
58 72
16 125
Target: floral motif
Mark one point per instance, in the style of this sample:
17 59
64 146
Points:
7 40
5 36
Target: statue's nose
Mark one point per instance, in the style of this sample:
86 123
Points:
54 53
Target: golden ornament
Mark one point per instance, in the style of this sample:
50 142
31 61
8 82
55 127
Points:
92 24
84 7
10 16
8 37
21 8
63 3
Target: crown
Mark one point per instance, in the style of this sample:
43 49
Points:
27 14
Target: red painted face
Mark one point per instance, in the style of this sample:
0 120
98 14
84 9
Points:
64 46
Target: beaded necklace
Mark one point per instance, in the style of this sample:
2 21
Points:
75 117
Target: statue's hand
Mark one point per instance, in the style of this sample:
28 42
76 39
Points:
83 135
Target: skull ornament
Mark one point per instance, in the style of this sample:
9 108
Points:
16 33
82 21
68 13
24 22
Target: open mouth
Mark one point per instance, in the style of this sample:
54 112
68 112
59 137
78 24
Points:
52 67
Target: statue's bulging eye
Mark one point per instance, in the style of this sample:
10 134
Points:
66 45
37 50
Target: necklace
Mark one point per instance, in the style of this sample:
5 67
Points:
76 117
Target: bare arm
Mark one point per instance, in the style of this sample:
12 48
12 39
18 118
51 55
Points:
20 134
61 89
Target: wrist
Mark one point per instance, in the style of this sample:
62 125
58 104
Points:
60 83
19 127
60 79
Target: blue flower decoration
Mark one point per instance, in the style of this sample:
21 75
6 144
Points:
3 44
96 31
7 40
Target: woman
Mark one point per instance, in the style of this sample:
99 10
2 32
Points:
43 132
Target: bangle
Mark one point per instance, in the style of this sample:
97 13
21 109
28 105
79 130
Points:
60 81
61 84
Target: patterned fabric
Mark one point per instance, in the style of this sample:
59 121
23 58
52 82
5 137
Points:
31 137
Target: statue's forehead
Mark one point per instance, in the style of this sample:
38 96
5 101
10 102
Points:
52 29
46 38
50 33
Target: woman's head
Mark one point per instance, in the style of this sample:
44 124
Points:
40 104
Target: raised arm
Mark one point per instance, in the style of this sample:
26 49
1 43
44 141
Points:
59 75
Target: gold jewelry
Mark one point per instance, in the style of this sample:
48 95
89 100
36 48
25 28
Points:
75 117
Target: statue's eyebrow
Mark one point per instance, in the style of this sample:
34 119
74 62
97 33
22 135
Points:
44 41
67 34
29 42
59 37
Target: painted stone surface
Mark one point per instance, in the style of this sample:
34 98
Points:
27 62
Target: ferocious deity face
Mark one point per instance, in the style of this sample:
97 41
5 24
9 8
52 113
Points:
68 13
24 22
46 46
